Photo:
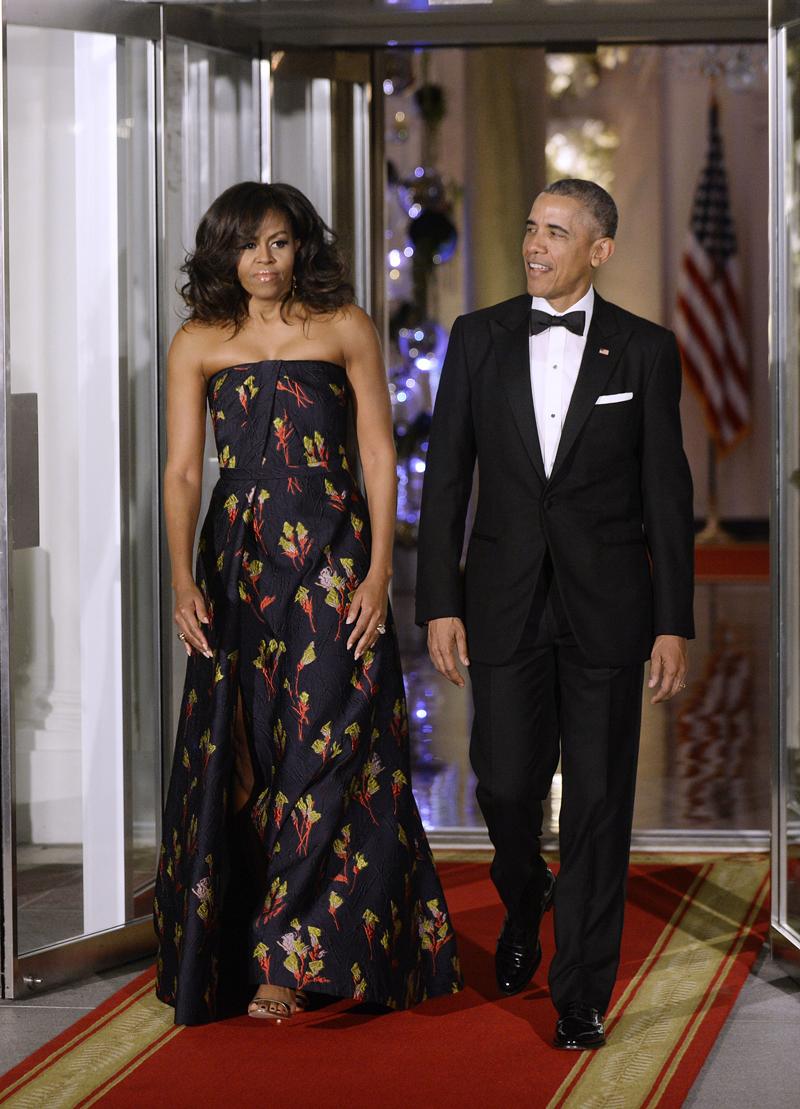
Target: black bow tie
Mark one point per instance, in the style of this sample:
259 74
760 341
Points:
573 321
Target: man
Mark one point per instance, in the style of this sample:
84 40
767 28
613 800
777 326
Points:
579 568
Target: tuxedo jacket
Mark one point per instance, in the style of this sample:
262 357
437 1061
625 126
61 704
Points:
615 514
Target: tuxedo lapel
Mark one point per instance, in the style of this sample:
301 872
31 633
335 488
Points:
510 338
604 345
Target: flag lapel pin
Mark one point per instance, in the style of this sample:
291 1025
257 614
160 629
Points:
603 350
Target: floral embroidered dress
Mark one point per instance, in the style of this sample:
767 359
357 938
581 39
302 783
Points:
344 898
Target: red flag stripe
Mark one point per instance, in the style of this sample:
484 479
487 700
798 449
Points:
710 362
712 382
722 290
726 423
731 383
719 293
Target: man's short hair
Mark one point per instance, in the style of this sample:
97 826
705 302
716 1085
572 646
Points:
594 198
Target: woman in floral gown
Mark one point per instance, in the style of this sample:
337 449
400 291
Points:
294 859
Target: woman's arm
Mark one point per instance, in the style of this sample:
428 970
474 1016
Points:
183 479
373 416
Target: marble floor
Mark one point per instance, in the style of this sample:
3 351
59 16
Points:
50 891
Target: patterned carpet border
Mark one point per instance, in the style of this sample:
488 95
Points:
659 1016
676 990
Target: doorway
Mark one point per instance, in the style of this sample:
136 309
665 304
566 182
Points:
91 671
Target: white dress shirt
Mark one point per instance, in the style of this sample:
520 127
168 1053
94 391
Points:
555 356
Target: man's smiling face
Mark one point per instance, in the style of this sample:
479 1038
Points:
562 248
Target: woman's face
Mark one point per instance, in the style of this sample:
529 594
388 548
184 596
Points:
266 262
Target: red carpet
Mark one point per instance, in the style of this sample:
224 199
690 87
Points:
735 561
692 932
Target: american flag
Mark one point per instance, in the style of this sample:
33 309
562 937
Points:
708 320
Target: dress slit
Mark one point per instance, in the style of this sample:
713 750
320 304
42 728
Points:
243 769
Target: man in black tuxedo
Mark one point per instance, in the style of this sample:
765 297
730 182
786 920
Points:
579 568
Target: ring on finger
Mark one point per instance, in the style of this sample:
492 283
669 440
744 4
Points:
182 636
381 629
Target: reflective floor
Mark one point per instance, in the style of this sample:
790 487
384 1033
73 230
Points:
50 892
704 761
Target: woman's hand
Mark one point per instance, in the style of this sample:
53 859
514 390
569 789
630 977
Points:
190 613
367 611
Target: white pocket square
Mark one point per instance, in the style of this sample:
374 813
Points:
614 398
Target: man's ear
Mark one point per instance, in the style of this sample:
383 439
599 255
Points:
602 249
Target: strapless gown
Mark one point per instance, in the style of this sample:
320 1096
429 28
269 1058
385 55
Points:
324 881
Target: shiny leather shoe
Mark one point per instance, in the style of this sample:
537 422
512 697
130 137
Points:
579 1027
519 951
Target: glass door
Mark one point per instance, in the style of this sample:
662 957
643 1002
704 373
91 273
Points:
785 372
81 724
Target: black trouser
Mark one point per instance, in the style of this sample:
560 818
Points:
547 692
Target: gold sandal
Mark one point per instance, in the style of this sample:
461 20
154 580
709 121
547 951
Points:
269 1008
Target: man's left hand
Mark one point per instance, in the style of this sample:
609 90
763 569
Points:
669 665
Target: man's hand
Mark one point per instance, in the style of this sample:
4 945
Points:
669 664
447 638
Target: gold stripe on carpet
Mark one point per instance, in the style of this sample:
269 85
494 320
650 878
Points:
70 1045
636 982
77 1074
655 1020
120 1076
710 997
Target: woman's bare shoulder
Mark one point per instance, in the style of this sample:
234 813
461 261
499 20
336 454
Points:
196 342
353 326
351 315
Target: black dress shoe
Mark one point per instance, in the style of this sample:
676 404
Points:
578 1028
519 951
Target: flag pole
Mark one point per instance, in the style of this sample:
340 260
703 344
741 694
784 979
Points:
713 532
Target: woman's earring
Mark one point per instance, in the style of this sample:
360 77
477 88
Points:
294 285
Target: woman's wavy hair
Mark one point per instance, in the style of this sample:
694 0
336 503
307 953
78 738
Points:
212 291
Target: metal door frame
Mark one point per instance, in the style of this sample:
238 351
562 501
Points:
784 14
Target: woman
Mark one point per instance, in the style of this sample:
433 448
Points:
293 857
